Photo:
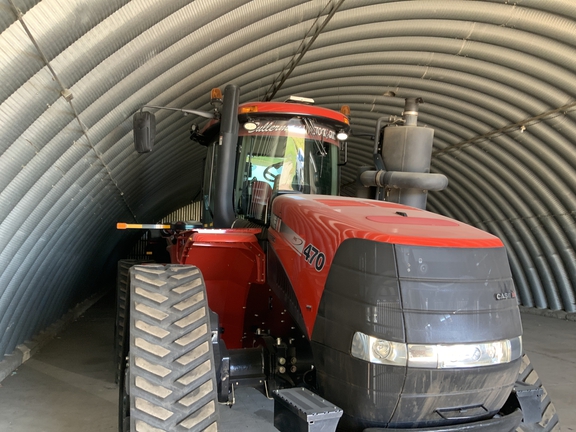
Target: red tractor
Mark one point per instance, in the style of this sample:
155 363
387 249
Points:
401 318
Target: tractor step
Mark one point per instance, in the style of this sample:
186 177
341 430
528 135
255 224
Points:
300 410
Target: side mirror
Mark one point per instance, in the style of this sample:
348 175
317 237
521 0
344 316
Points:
144 124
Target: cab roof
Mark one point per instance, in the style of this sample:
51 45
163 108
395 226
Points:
292 108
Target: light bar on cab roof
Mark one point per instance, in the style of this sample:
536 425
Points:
123 226
248 109
175 226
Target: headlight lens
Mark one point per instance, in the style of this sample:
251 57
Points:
485 354
453 356
381 349
377 350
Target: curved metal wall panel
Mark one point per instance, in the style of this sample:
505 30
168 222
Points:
498 80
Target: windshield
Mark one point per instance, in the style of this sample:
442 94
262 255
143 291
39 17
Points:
297 155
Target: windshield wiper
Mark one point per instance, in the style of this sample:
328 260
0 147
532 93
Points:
311 130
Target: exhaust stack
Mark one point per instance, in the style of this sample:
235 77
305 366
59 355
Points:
224 213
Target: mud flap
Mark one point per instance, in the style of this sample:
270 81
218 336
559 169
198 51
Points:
527 398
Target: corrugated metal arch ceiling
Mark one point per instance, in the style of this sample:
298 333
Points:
498 80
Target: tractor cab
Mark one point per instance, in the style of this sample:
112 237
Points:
282 148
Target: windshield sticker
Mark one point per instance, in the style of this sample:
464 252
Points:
290 128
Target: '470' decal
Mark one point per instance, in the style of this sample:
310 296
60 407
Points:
314 257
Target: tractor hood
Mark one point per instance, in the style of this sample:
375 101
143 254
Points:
358 270
307 230
340 218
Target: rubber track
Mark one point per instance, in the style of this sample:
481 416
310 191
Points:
550 422
122 284
172 379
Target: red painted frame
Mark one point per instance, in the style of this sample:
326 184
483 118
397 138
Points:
230 260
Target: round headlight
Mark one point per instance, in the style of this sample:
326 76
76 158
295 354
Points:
381 349
477 354
250 126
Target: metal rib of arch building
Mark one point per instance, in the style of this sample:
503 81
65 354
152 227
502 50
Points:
498 79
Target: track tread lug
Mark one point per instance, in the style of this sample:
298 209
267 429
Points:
172 374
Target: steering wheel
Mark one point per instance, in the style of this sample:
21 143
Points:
268 175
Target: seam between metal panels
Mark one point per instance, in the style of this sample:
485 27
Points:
64 91
302 50
68 96
521 125
541 216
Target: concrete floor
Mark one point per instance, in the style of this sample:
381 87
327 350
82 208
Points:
69 385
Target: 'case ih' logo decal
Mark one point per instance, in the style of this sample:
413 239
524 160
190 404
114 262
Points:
311 253
314 257
297 241
289 235
505 295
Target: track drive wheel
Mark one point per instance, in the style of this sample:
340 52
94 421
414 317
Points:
172 383
549 421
